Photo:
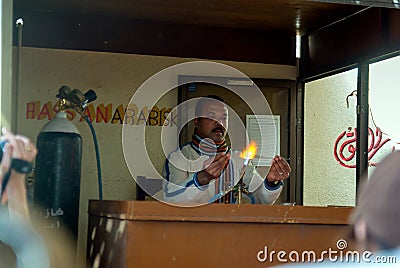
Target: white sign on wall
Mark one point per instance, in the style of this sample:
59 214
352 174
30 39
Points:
265 131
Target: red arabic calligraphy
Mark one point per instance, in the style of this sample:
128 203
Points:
347 149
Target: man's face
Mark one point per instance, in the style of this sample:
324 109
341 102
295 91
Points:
213 120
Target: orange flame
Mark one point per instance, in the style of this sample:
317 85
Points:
250 151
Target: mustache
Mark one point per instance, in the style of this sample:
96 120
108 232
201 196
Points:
221 129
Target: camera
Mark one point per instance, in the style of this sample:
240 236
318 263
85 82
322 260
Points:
2 145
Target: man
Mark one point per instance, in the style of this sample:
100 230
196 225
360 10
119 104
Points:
206 169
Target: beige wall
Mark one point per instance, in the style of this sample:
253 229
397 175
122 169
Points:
114 77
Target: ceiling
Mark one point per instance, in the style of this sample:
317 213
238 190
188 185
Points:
261 31
285 16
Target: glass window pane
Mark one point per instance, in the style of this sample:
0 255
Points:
330 122
384 96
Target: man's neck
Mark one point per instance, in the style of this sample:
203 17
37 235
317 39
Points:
207 146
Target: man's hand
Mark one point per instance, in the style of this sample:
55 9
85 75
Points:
213 168
280 170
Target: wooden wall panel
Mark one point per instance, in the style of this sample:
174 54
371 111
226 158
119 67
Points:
341 44
123 35
366 35
394 27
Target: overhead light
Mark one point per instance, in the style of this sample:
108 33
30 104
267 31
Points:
298 46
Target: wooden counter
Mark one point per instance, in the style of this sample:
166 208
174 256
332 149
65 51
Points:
153 234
